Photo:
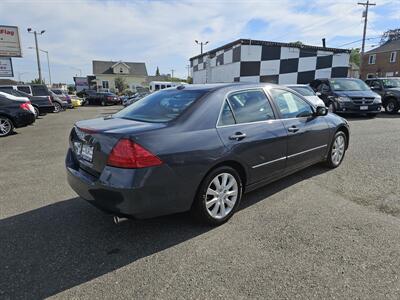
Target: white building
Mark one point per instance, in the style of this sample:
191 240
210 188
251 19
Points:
262 61
133 73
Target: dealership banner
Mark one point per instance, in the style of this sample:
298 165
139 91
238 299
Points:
6 68
10 45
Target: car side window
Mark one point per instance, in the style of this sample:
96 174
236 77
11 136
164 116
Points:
290 105
226 117
323 88
375 84
250 106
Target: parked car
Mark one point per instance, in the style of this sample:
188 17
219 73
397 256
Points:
307 92
389 89
42 105
76 102
102 98
135 97
85 93
198 148
20 99
41 90
63 95
348 95
59 104
14 114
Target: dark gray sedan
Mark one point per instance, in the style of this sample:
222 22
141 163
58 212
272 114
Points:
199 148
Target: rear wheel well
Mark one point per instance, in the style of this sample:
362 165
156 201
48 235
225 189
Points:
235 165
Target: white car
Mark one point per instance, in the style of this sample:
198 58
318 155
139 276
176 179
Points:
307 92
25 99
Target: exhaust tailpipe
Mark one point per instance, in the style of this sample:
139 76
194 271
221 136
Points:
118 220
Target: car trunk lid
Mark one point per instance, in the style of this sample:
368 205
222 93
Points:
93 140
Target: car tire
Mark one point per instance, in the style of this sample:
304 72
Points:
37 113
391 106
103 103
337 151
218 196
6 126
331 107
57 107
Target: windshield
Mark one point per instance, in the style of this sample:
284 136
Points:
348 85
303 90
161 106
391 83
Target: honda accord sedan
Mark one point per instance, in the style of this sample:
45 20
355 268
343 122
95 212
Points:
198 148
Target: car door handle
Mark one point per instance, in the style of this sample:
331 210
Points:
293 129
237 136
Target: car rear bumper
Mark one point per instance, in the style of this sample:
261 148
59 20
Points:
23 119
46 109
356 109
139 193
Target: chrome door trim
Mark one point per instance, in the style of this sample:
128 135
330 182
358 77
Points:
289 156
306 151
268 162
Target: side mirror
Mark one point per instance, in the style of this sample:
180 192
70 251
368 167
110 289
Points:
376 88
321 111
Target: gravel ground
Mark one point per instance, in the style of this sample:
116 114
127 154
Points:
316 234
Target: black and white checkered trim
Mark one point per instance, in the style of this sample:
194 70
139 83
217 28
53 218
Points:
269 63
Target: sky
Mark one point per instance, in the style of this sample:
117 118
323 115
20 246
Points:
162 33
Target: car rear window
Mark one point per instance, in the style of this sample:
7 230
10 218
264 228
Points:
40 90
160 107
303 90
24 89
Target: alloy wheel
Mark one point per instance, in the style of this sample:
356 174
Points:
221 195
338 150
390 107
5 127
57 107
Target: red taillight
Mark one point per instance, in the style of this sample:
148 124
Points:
25 106
49 98
128 154
110 98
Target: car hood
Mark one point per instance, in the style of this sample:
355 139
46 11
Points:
395 90
117 125
352 94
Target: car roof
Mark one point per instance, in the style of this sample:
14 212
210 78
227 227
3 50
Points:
299 85
220 86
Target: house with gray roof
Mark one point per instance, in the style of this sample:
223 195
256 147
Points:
133 73
383 61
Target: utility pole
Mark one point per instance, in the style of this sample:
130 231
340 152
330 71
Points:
37 50
201 45
188 69
365 15
172 73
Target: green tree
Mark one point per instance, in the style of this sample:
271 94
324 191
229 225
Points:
158 71
355 56
120 84
37 81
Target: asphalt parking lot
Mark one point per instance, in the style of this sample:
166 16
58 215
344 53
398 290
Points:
319 233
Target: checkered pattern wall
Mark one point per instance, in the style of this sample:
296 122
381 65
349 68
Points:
269 63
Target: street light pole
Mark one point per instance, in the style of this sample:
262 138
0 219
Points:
37 51
201 45
48 61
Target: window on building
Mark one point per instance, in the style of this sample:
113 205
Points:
372 59
121 70
393 56
104 84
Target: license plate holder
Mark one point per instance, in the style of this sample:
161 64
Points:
364 107
87 152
